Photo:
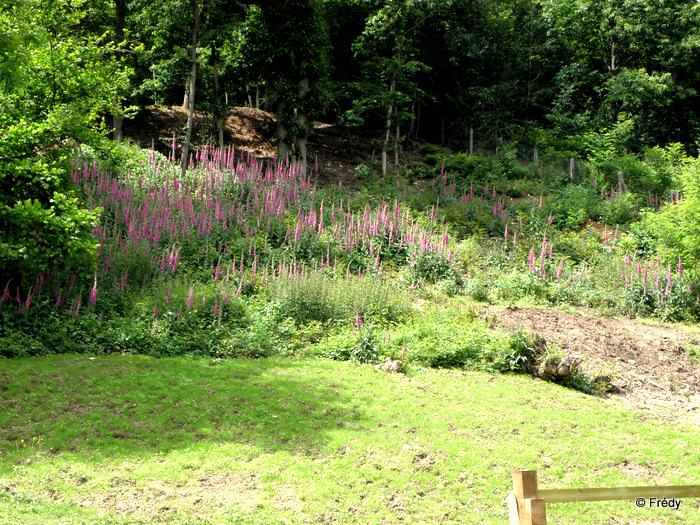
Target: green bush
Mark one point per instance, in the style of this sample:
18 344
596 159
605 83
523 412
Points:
520 353
43 227
337 346
21 345
452 345
433 267
366 348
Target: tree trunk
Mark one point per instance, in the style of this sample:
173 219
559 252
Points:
217 94
385 144
250 97
282 146
300 141
396 145
120 19
266 98
389 110
572 169
191 91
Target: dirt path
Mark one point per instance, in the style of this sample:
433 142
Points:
648 364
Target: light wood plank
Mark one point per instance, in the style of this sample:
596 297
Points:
513 509
618 493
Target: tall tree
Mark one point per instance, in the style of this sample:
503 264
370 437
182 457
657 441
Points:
292 41
120 13
624 63
390 61
191 90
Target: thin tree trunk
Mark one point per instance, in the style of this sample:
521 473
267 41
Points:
572 168
282 146
191 90
250 97
416 131
302 122
389 110
120 19
266 98
396 145
385 144
217 94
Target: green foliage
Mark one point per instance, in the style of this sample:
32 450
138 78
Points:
313 297
480 168
365 349
433 267
464 347
520 353
20 345
43 226
677 226
335 346
447 339
519 285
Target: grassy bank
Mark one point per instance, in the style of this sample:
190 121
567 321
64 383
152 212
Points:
135 439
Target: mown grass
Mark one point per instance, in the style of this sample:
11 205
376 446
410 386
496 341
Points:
137 440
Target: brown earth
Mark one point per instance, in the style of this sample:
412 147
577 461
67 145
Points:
647 365
336 149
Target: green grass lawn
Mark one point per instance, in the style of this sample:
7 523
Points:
134 439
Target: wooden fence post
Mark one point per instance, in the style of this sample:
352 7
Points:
526 504
531 509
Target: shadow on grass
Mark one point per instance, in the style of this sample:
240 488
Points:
137 404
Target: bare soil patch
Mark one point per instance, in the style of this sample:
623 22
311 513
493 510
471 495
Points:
334 149
161 498
647 364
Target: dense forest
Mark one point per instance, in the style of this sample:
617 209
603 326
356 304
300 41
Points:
557 139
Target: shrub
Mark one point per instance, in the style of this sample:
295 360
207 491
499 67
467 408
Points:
365 348
337 347
451 344
478 288
519 354
43 227
433 267
21 345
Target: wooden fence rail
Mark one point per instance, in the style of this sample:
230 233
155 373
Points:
526 504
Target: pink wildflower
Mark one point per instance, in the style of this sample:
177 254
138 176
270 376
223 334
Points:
93 292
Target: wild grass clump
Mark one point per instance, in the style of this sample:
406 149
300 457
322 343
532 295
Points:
315 296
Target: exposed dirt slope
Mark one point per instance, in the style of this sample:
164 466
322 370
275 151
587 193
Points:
337 150
647 364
